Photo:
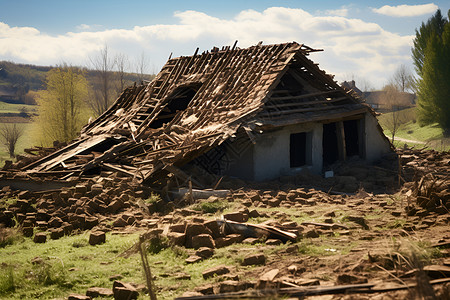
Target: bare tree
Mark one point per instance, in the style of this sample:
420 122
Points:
141 66
403 79
122 64
10 134
102 96
393 100
365 85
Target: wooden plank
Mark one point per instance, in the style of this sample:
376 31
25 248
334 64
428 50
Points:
276 105
328 117
321 93
340 135
302 292
54 154
119 169
298 110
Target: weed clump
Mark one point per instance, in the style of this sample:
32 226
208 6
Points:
48 272
211 206
9 236
7 282
153 198
80 243
157 243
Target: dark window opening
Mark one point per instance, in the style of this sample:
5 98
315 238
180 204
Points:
299 149
178 101
351 137
330 144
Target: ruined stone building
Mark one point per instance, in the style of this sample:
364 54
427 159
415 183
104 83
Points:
255 113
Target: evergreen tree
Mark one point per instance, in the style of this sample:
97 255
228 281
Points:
431 56
434 25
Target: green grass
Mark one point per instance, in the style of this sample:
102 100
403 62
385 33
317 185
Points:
71 265
431 135
324 246
16 108
65 268
25 141
211 207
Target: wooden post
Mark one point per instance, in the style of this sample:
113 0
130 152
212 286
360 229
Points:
148 273
340 135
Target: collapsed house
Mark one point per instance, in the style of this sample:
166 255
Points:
255 113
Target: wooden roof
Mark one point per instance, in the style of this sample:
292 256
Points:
197 102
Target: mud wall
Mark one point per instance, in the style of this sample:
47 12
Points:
271 154
376 144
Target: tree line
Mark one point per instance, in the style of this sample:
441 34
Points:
70 99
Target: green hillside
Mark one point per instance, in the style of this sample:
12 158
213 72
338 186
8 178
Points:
430 136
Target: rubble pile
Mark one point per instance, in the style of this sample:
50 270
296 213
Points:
428 173
83 206
262 218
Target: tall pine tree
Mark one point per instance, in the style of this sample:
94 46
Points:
434 25
431 55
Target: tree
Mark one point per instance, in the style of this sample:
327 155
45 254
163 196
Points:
403 79
10 135
141 66
61 107
434 25
393 101
433 68
103 90
121 62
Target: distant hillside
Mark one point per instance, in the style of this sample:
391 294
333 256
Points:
16 80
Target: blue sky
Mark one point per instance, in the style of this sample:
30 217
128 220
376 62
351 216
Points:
365 41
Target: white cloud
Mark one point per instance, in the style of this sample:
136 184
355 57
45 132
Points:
406 10
87 27
84 27
351 46
343 12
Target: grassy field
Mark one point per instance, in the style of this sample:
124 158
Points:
430 136
16 108
25 141
70 265
64 266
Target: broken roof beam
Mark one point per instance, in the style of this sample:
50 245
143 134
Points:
116 168
316 102
299 97
53 155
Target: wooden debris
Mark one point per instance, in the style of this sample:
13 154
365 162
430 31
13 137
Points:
256 230
300 292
